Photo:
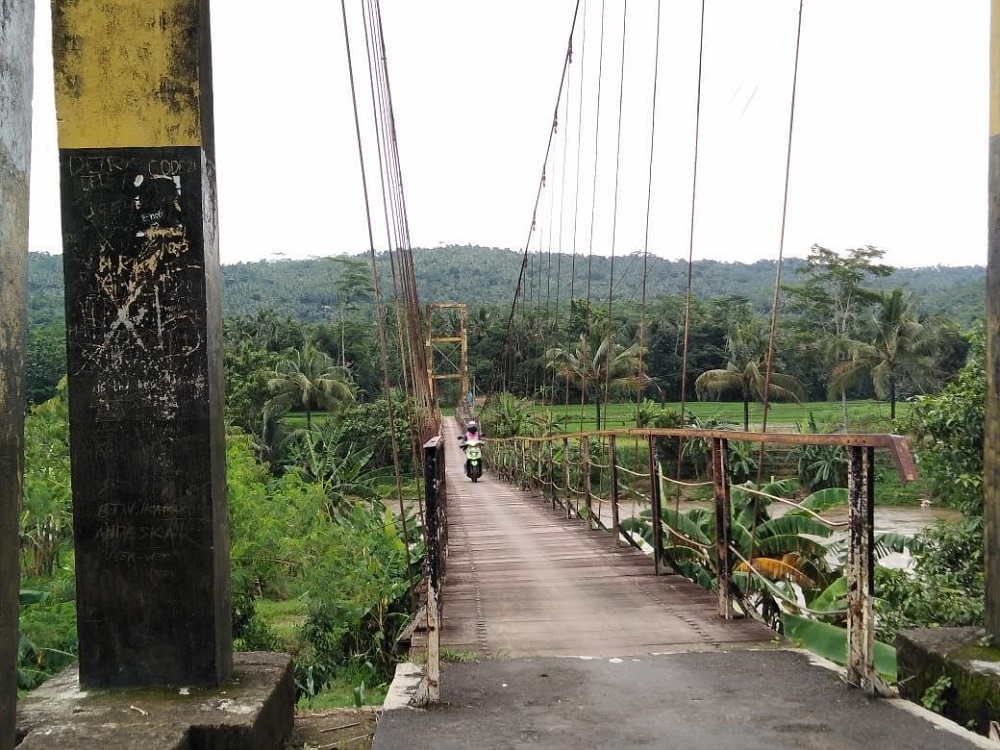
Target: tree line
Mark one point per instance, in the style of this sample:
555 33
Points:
840 334
849 326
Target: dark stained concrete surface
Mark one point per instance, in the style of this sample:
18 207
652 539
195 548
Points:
253 710
752 700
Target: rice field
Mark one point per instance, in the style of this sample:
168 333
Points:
862 416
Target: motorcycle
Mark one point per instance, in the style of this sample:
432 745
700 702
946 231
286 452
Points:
473 459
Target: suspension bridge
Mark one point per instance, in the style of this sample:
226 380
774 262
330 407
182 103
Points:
558 574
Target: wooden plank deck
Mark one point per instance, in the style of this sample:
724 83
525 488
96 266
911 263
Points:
523 580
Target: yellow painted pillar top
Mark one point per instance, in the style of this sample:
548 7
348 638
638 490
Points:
125 74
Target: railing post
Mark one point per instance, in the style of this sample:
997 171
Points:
550 472
531 453
720 483
565 468
657 510
520 462
613 460
539 475
585 458
860 572
501 455
435 529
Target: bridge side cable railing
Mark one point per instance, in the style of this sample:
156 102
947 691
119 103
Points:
769 551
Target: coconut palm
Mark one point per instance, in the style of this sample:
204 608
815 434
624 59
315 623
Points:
745 372
899 345
597 366
308 378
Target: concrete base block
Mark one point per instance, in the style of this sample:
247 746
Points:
253 710
408 688
971 694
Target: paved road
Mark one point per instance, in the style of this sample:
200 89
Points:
751 700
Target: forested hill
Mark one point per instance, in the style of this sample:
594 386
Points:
307 289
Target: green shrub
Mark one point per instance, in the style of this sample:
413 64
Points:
250 631
48 640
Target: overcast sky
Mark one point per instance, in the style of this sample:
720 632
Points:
889 144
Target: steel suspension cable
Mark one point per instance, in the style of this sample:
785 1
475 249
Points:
544 327
769 364
579 146
694 192
588 333
390 205
518 290
576 199
649 200
557 328
383 349
413 321
597 132
614 217
777 279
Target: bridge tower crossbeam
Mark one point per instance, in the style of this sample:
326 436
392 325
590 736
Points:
447 347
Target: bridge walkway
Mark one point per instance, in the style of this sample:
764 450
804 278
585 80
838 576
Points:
523 580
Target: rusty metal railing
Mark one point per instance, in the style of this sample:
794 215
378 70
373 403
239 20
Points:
436 541
600 476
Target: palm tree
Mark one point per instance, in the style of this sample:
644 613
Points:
900 344
745 372
309 378
596 366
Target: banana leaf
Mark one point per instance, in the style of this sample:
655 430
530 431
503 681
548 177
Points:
698 574
778 570
687 525
889 542
639 527
832 598
703 517
684 553
779 544
793 524
830 642
820 500
886 543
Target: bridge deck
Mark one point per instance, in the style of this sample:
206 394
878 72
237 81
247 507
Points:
523 580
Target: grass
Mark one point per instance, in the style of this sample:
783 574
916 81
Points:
447 655
341 693
863 416
866 416
285 617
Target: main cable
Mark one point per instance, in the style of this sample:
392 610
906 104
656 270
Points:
534 213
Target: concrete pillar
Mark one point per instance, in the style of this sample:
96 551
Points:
991 457
143 317
16 31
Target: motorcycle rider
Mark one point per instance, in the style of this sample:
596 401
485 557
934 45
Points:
472 437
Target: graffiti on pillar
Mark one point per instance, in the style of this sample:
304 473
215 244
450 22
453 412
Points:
134 269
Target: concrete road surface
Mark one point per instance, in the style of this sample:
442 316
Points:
750 700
